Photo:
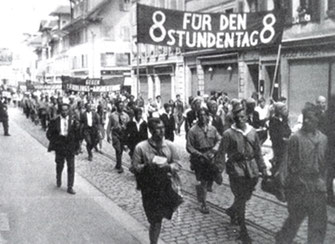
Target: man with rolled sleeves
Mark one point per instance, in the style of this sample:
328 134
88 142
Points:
64 134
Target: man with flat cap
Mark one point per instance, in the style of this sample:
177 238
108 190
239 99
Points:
245 161
64 134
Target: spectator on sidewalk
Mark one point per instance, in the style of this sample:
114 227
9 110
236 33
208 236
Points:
63 134
203 142
117 128
4 115
155 162
306 180
244 163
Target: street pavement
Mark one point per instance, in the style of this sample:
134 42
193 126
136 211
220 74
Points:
34 210
265 215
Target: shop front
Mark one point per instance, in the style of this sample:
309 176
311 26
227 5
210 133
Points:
307 72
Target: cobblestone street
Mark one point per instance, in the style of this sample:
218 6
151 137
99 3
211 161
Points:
265 215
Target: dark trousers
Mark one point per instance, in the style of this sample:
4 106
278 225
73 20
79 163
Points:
91 140
118 146
5 126
301 204
330 178
60 160
242 189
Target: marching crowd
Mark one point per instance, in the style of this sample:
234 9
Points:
222 134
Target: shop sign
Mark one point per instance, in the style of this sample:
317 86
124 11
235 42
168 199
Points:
195 30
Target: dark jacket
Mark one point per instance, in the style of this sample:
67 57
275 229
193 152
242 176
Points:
58 143
3 111
134 136
170 126
84 126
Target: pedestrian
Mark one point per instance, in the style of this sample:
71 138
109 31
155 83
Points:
136 131
178 113
4 115
203 142
214 119
279 131
306 180
117 128
243 165
155 161
89 129
63 134
169 122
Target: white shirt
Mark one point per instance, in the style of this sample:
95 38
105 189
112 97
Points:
89 119
64 126
138 124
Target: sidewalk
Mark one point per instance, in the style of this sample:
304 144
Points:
36 211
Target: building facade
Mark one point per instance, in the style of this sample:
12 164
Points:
158 70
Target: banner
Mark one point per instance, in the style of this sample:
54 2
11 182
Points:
193 30
92 84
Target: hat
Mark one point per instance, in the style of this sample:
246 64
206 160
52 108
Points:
278 107
250 101
237 107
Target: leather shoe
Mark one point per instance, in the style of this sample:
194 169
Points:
71 191
89 158
204 209
7 134
59 183
120 170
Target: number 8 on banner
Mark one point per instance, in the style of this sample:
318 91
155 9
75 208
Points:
158 24
268 27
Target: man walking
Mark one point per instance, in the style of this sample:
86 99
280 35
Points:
245 162
4 115
63 134
306 181
90 129
117 127
155 161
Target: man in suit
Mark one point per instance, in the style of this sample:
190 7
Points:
89 129
169 122
63 134
136 131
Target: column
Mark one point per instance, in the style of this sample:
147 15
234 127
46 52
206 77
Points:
157 85
150 87
173 86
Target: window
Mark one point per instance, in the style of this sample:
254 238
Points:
125 5
229 11
84 61
108 32
125 33
331 8
74 63
305 11
122 59
107 59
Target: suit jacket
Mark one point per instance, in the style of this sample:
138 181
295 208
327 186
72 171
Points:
84 126
134 136
170 126
3 111
58 143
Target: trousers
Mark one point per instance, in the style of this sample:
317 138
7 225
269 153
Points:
61 157
301 204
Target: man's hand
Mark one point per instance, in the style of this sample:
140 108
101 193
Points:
175 167
125 148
